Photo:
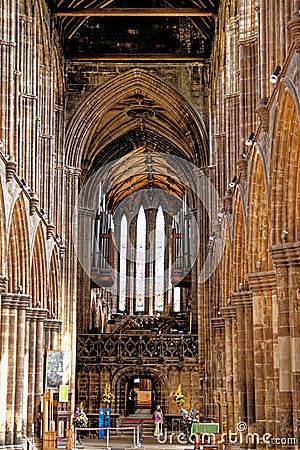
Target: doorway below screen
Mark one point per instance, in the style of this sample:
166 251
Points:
140 396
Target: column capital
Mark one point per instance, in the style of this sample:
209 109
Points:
73 171
228 312
287 254
3 283
31 314
218 323
52 324
242 299
41 314
260 281
34 314
294 29
15 301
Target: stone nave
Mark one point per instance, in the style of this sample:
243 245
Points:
150 212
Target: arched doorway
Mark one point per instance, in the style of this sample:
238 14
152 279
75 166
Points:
141 396
139 390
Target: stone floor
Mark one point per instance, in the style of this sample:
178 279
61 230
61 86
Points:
126 442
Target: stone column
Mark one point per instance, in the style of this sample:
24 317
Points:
3 357
51 331
249 358
218 325
31 317
286 258
229 314
13 323
240 300
20 395
39 361
263 285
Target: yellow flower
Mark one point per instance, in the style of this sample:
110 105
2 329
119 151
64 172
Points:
178 397
107 396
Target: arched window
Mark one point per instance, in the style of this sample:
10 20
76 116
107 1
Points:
176 299
140 261
159 261
123 257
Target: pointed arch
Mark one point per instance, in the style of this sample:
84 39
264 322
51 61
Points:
18 249
225 268
54 294
284 197
258 218
83 124
239 259
3 237
38 280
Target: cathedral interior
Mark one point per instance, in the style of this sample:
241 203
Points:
150 212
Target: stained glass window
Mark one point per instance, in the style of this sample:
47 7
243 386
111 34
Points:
140 260
176 299
123 255
159 261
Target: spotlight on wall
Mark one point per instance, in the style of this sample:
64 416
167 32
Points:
57 238
284 235
1 144
221 214
249 141
233 182
274 76
44 215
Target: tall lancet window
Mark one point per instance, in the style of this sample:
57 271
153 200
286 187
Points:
140 260
123 256
159 261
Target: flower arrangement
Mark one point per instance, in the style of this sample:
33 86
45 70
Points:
80 419
178 397
107 396
190 417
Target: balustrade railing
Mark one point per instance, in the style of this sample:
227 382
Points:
133 349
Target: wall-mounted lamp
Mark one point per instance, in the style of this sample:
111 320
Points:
44 215
249 141
26 187
284 235
57 238
233 182
1 144
241 286
221 214
274 76
212 237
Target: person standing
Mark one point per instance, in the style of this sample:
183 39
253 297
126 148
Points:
158 417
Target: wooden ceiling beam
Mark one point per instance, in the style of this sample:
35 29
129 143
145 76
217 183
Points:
134 58
134 12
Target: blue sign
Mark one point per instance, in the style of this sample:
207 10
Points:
107 418
101 423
